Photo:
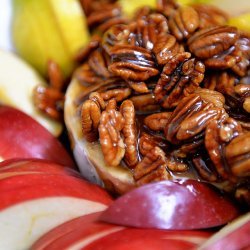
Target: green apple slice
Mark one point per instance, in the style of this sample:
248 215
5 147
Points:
49 29
17 83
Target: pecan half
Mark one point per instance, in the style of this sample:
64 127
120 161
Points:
210 15
130 133
158 121
205 168
113 148
152 167
50 99
119 94
165 47
219 48
184 22
147 142
190 118
217 134
90 116
180 77
146 30
212 41
145 103
132 63
167 7
237 154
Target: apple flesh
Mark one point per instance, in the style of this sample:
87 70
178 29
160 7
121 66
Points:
233 236
58 30
33 201
17 82
87 233
185 204
23 137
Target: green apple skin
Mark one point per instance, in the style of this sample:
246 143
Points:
45 30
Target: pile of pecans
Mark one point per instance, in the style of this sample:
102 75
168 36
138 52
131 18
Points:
168 92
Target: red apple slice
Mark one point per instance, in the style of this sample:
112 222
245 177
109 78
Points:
23 137
64 229
85 233
235 235
32 203
23 166
171 205
20 188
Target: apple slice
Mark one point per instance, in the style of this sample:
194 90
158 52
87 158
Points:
23 187
233 236
24 166
23 137
171 205
36 201
17 82
86 233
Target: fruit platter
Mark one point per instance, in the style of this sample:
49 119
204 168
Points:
124 125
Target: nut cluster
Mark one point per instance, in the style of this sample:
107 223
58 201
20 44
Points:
168 93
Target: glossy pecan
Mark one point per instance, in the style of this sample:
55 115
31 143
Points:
237 154
165 47
217 135
183 22
190 118
179 78
55 76
118 94
145 103
90 116
166 7
205 168
236 93
224 82
152 167
218 48
212 41
176 164
148 29
103 15
158 121
113 148
132 63
147 142
98 61
139 87
115 35
241 52
130 133
50 99
86 76
210 15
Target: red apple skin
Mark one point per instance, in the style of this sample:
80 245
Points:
21 166
173 205
20 188
89 234
60 231
235 235
23 137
